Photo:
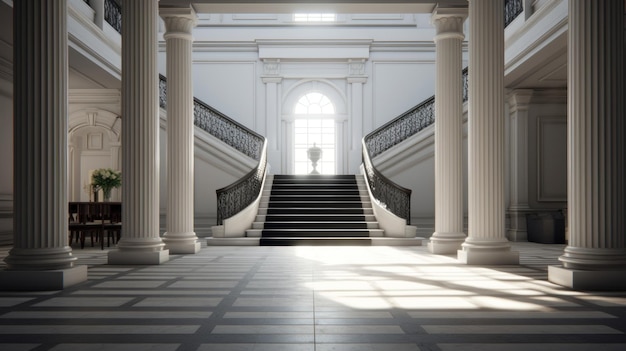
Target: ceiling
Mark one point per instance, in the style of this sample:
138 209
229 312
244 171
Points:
327 6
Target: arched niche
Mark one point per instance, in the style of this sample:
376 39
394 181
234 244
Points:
94 141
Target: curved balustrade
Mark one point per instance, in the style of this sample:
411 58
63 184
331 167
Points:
392 196
239 195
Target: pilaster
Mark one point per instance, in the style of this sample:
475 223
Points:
486 242
448 235
356 79
141 242
180 237
519 101
41 258
595 258
272 80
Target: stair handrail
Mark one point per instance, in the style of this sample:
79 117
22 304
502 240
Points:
220 126
391 195
407 124
235 197
240 194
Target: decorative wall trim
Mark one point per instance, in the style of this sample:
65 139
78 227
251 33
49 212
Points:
547 186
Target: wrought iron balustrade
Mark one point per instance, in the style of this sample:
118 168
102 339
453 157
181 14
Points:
396 198
512 9
113 14
239 195
407 124
390 195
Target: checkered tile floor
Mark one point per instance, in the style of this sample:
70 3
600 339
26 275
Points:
315 298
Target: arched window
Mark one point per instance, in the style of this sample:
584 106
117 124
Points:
314 126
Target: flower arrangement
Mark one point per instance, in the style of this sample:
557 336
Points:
106 179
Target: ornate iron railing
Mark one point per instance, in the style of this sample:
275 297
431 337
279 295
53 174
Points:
396 198
390 195
512 9
406 125
220 126
239 195
113 14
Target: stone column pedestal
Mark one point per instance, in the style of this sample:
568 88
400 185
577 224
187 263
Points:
41 258
448 235
595 258
141 242
180 237
486 242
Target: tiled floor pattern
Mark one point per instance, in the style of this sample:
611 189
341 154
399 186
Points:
315 298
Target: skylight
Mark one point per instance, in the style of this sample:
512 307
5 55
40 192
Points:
314 17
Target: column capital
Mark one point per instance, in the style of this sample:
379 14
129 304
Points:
448 22
519 99
179 21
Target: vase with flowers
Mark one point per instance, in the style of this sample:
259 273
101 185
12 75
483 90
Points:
106 179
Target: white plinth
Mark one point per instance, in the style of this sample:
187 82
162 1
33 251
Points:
488 257
42 280
588 280
182 247
138 257
448 244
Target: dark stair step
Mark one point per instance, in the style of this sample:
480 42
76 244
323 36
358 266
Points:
322 233
315 211
315 186
322 191
315 204
315 225
314 176
315 218
315 242
315 198
313 181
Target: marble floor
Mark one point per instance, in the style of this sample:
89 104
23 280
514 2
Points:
315 298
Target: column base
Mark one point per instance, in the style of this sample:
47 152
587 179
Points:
42 280
487 253
444 245
134 257
600 280
181 243
182 248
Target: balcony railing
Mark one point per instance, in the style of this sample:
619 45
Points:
113 14
239 195
512 9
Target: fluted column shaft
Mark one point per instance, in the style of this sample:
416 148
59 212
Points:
448 235
180 237
140 243
596 147
519 101
486 242
40 241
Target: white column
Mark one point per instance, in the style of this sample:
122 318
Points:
140 243
448 235
486 242
116 164
180 237
518 187
41 258
595 258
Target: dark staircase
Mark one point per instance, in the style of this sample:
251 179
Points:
316 210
